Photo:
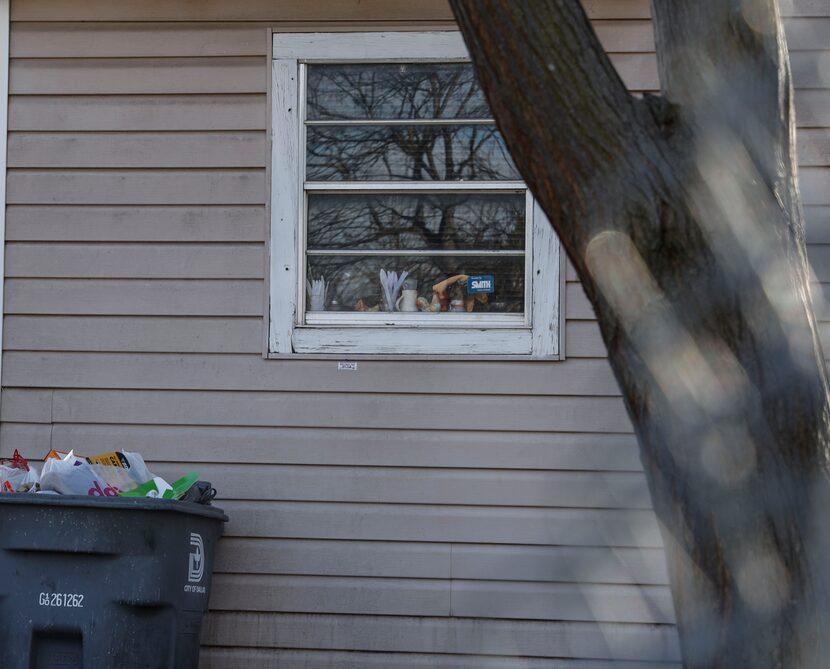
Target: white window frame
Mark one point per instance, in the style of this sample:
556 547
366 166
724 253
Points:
535 334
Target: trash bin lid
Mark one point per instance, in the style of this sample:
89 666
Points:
137 503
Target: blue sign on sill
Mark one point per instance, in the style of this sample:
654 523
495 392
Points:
484 283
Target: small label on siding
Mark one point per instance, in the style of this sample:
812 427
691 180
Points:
346 366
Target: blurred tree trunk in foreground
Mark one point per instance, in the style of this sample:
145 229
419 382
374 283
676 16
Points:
682 216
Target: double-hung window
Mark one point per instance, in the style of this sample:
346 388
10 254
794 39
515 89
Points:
399 223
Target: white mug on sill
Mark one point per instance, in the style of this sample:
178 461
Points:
408 300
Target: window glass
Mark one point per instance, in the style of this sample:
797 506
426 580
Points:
427 152
409 123
353 283
437 221
395 91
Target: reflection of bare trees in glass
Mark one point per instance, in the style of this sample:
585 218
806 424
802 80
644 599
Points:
428 152
411 152
465 221
394 91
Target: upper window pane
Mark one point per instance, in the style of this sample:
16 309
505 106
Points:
394 91
407 153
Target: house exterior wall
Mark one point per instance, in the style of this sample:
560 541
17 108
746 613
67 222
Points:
463 515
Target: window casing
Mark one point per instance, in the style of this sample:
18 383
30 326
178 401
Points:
312 184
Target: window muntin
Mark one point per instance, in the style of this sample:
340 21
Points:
397 199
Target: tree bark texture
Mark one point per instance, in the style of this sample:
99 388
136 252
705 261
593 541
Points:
681 214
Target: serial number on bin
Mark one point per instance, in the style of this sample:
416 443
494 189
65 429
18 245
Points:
63 599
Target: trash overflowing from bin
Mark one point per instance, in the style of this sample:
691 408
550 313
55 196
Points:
17 476
116 474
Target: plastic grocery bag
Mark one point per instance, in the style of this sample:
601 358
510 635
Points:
74 475
132 463
17 476
158 487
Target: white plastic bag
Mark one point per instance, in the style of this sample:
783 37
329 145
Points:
15 479
73 475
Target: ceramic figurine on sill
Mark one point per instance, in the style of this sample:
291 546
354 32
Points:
441 290
424 304
363 307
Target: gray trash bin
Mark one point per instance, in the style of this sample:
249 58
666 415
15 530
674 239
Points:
91 583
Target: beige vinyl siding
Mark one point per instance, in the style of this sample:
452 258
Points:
463 515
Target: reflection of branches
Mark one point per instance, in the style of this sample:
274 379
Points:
394 91
401 221
411 152
407 153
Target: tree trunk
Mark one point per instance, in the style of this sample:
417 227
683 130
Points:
682 217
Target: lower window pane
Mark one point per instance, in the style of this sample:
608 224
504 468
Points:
353 283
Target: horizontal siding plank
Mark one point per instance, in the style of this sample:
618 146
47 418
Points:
186 335
321 446
817 223
131 187
812 108
820 293
26 406
584 339
114 76
577 306
561 564
456 524
805 8
637 70
233 658
241 74
377 559
815 185
175 39
137 112
431 597
232 372
330 594
483 562
294 10
645 643
334 10
556 601
107 149
618 9
135 261
814 147
381 485
152 298
808 33
135 224
31 439
365 410
809 69
124 40
819 257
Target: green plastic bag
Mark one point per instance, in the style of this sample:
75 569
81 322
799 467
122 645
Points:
159 488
